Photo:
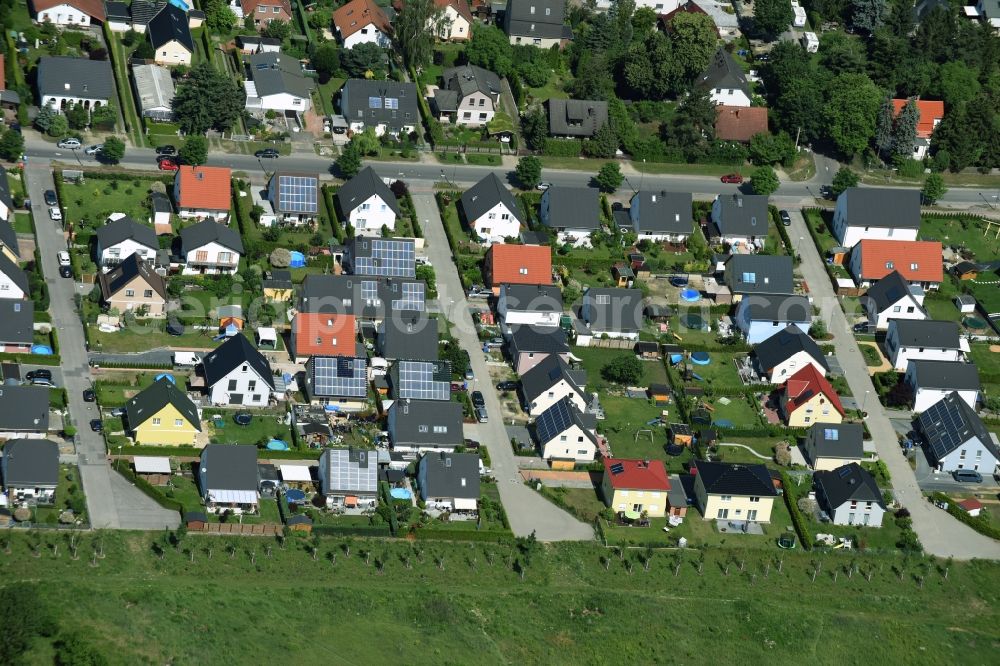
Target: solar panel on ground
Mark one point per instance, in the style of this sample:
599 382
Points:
298 194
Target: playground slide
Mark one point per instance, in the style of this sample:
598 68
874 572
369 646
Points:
707 406
679 338
697 376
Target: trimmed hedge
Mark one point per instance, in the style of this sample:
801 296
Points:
33 359
562 147
793 510
136 366
149 490
433 534
979 523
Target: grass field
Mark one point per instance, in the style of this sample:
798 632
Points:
453 605
962 232
93 200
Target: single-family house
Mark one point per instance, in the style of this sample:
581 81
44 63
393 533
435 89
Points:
6 200
517 264
203 192
572 212
367 204
64 82
528 346
409 335
141 12
491 211
170 36
237 374
633 486
349 477
661 216
30 471
613 312
576 118
420 380
317 334
549 382
919 262
740 123
828 446
265 11
162 415
24 412
734 491
17 324
387 106
75 13
891 298
339 383
276 82
468 96
957 438
741 219
453 21
932 381
931 114
876 212
758 274
294 197
449 481
362 22
380 257
911 340
566 436
782 355
154 90
133 286
537 23
725 81
850 496
13 280
227 477
120 238
425 425
759 316
8 241
807 397
532 304
210 248
369 299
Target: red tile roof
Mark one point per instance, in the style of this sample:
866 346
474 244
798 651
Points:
250 7
204 187
916 261
740 123
518 264
805 384
357 14
92 8
637 474
971 504
324 335
930 111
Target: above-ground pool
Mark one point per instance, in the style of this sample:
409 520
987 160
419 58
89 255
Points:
294 495
693 321
41 350
676 358
400 493
974 322
700 358
701 416
690 295
298 259
679 280
169 377
277 445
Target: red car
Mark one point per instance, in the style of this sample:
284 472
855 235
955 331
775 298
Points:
732 178
168 165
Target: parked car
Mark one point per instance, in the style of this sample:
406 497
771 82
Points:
65 271
166 150
826 192
70 143
94 150
732 178
63 257
967 476
118 412
481 415
468 367
862 327
50 198
471 444
55 214
89 395
41 381
41 373
507 386
477 399
785 218
268 153
168 165
543 186
96 425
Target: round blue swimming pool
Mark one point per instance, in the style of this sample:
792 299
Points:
690 295
41 350
277 445
700 358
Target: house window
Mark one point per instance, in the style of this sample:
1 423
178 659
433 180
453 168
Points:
440 430
201 255
482 116
897 308
255 397
225 257
752 514
523 271
148 293
754 499
961 454
277 10
253 385
466 115
491 216
129 293
889 265
536 42
913 267
114 252
850 519
178 422
156 421
581 452
482 102
723 514
726 498
562 438
422 428
232 385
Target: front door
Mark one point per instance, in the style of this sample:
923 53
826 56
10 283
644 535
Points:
752 514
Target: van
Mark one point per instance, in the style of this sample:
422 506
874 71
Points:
967 476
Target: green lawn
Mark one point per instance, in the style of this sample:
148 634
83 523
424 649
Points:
988 296
942 309
146 336
114 389
624 418
23 223
88 204
553 88
721 371
762 445
872 356
483 159
986 361
739 411
594 359
962 231
818 223
263 426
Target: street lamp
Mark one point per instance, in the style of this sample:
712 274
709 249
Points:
985 199
864 403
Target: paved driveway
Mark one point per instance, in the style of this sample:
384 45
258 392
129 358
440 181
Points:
939 533
527 511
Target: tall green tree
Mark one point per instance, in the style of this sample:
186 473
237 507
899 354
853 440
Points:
364 58
692 128
604 144
884 126
194 151
77 116
772 148
58 126
113 150
956 83
844 179
764 180
412 33
852 106
772 17
529 171
868 15
490 49
693 39
206 100
11 145
349 162
904 135
326 60
276 29
219 17
534 127
610 177
934 188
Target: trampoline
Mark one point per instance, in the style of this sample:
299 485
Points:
277 445
724 423
294 495
175 328
700 358
400 493
701 416
679 280
41 350
169 377
298 259
691 295
243 419
693 321
974 322
674 450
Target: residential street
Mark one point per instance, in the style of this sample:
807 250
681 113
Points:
527 510
940 534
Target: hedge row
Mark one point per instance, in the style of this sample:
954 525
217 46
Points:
979 523
33 359
135 365
562 147
793 510
433 534
351 530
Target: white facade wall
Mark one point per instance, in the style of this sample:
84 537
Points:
63 15
110 257
475 110
368 217
972 455
60 102
730 97
217 258
9 289
496 224
368 35
453 26
925 397
242 381
556 392
867 514
906 308
279 102
172 53
571 444
781 372
849 236
542 43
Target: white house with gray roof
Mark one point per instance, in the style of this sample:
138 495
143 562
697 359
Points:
725 81
24 412
30 471
850 496
932 381
908 340
741 219
957 438
491 210
63 82
17 320
227 477
120 238
385 106
891 298
828 446
549 382
890 213
538 23
747 274
565 433
13 279
468 96
661 216
449 481
209 248
367 204
759 316
572 212
275 82
531 304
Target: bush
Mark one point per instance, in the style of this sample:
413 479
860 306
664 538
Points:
791 501
562 147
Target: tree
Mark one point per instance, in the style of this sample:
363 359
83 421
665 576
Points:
25 618
280 257
772 17
219 17
764 181
604 144
364 58
113 150
884 125
529 171
412 32
366 142
11 145
349 162
610 177
44 118
277 30
490 49
104 115
693 39
904 135
74 650
842 180
326 60
144 51
194 151
207 99
956 83
59 126
934 188
77 116
868 15
692 128
772 148
852 106
625 369
534 127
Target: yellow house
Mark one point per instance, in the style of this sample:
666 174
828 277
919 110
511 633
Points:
727 491
163 415
808 398
170 36
636 486
278 287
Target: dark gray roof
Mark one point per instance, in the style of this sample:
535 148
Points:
535 237
468 79
533 297
232 353
736 479
410 335
622 219
576 117
952 375
359 189
8 237
573 207
31 462
662 212
724 72
445 100
612 309
17 320
415 420
125 228
850 483
929 333
887 292
229 467
536 19
121 275
279 280
207 232
75 77
143 11
170 24
560 416
450 475
351 294
743 215
759 274
14 272
538 340
5 190
882 207
486 194
116 10
161 202
950 423
836 440
276 73
783 345
777 307
547 374
364 101
148 402
24 408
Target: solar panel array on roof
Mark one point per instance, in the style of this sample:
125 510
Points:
360 475
945 427
553 421
413 297
369 291
388 258
340 376
297 194
424 380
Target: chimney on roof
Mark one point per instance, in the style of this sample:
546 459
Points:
66 86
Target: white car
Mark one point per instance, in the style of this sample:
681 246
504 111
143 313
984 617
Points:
94 150
55 213
63 258
70 143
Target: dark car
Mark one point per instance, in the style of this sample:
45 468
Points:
734 178
786 219
97 425
166 150
826 192
507 386
862 327
89 395
269 153
967 476
66 271
477 399
471 444
39 374
50 198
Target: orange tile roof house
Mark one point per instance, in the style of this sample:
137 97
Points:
68 12
808 397
931 115
323 335
203 192
919 262
517 264
740 123
636 486
362 22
